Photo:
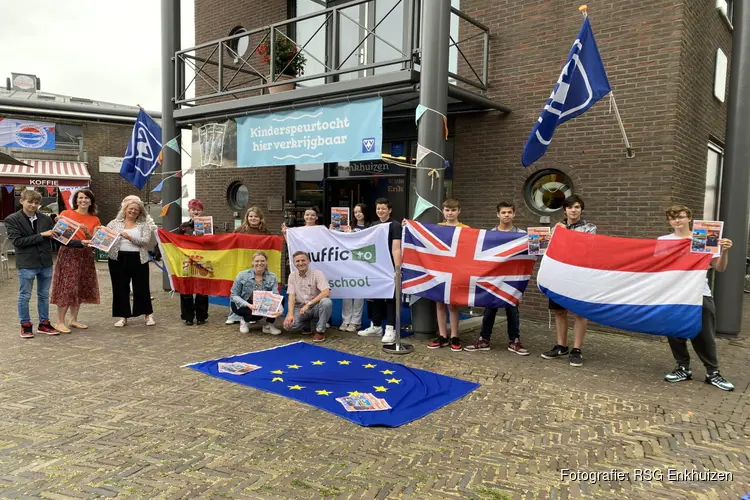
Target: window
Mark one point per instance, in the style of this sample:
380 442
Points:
546 190
720 75
714 166
726 7
237 196
239 45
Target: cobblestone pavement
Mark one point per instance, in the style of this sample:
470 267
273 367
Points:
109 412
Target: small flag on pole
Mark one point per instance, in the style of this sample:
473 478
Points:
582 82
143 152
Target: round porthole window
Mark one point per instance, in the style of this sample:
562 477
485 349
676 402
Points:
546 190
238 196
238 45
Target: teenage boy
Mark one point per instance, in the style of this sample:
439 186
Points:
387 307
451 211
506 212
30 232
308 298
704 345
573 206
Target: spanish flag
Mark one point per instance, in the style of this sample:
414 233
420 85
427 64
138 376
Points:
209 264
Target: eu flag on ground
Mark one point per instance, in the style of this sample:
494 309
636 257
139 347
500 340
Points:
582 82
142 155
317 376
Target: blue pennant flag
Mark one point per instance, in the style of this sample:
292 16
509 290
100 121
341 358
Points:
582 82
142 155
317 376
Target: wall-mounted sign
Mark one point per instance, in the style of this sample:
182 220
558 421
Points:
357 168
348 131
110 164
26 134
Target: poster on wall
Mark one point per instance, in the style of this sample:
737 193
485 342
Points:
26 134
348 131
110 164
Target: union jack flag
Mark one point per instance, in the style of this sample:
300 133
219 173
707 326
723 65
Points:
464 266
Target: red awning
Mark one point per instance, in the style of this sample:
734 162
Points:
46 173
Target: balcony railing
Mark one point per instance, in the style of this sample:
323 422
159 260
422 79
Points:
353 40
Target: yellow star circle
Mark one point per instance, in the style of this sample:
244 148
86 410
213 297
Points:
393 380
387 372
318 362
277 372
345 362
277 379
355 393
296 387
295 367
324 392
380 388
368 365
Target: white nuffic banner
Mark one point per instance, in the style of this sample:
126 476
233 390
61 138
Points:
358 265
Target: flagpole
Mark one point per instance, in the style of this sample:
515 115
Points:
629 153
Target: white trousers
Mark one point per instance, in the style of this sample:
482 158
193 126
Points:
351 311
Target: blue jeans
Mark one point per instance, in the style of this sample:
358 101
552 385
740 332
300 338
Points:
320 313
26 277
488 322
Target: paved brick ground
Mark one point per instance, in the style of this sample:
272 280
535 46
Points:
110 413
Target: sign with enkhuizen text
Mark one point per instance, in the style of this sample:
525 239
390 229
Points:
349 131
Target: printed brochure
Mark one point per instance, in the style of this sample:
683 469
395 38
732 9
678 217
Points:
64 230
538 240
706 236
339 218
237 368
363 402
104 238
203 225
266 304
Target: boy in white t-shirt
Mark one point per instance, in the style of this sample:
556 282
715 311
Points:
704 344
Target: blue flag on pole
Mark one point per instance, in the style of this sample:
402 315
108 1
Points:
142 155
582 82
317 376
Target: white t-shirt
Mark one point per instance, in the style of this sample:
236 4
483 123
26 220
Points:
672 236
127 245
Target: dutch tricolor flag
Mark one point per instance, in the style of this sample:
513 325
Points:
646 286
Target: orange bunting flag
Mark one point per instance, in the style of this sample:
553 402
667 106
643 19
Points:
209 264
164 210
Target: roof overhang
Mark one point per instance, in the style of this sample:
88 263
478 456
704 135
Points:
46 173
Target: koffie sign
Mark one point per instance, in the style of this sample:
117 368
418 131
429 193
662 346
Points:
348 131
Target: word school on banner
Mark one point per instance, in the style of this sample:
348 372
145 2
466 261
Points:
358 265
348 131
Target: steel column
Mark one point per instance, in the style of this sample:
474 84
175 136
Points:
170 44
735 185
433 93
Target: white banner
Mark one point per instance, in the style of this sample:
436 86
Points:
357 265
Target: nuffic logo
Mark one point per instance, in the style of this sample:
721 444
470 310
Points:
335 254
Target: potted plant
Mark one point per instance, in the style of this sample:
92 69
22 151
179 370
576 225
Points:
288 62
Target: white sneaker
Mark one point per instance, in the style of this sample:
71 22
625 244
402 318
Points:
372 331
390 335
122 322
269 328
353 328
344 327
229 322
244 328
150 320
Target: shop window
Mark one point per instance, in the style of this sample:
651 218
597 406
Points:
714 166
545 191
308 184
238 196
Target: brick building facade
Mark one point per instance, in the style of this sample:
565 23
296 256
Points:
660 59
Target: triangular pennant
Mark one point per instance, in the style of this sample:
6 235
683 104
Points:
51 190
158 188
160 159
164 210
421 206
178 174
445 126
9 189
421 153
446 164
178 202
172 144
420 111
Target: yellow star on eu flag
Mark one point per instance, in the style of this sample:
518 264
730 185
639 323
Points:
387 372
295 367
277 379
393 381
345 362
296 387
277 372
355 393
324 393
318 362
368 365
380 388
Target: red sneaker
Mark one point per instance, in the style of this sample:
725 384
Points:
46 327
27 332
515 346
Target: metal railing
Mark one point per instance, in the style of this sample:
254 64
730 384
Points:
220 71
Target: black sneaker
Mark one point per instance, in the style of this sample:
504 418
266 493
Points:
680 374
717 380
555 352
188 322
576 359
456 344
200 322
27 330
438 342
